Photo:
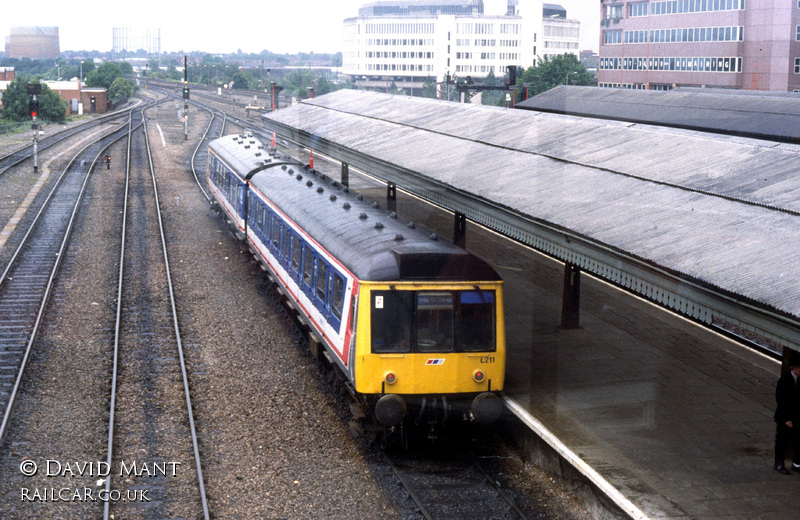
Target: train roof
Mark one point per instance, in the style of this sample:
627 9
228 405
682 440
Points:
243 153
371 242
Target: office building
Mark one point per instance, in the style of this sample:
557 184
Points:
660 44
560 35
407 42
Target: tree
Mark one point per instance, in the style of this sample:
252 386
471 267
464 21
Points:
104 76
119 89
551 72
126 68
429 87
16 103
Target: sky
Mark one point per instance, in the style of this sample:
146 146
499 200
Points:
283 27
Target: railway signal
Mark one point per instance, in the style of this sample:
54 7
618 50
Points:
108 162
185 100
35 89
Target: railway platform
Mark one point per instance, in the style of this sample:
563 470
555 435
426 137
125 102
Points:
668 420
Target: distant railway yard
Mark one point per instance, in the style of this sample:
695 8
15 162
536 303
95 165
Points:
139 322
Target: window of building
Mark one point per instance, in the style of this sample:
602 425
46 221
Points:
797 65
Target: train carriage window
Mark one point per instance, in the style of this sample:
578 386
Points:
476 321
391 318
287 244
337 295
296 251
308 267
321 278
435 321
276 233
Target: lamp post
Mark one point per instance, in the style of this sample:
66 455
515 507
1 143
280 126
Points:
566 79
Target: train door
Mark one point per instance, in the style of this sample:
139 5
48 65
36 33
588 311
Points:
320 284
335 305
297 255
307 277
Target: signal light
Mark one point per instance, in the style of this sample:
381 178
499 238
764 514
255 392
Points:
33 107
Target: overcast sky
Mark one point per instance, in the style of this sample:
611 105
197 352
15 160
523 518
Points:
297 26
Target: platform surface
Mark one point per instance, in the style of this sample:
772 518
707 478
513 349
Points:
675 417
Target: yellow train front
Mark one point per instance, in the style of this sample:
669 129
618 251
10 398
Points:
412 324
428 348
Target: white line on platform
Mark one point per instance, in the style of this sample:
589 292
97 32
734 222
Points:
570 456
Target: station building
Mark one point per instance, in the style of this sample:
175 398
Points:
661 44
409 41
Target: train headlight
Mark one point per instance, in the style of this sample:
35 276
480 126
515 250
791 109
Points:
478 376
390 378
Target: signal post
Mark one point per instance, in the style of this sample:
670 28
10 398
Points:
35 89
185 101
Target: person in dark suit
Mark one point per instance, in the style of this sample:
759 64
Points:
787 416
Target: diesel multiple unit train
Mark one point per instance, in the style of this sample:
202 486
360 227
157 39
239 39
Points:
413 324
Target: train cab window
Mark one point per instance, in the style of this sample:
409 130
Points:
337 295
322 279
435 321
296 251
308 267
476 321
391 318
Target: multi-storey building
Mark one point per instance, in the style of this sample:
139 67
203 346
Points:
133 40
560 35
406 42
659 44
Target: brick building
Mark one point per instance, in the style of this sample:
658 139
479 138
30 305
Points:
33 42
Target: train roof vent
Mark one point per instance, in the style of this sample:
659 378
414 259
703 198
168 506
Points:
333 198
320 189
346 205
378 225
363 216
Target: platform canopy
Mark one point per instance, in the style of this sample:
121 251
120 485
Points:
747 113
705 224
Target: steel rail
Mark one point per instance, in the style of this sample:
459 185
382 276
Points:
54 270
195 444
54 139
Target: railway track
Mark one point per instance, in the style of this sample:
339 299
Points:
21 155
28 278
447 481
149 363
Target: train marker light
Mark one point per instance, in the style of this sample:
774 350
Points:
478 376
390 378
